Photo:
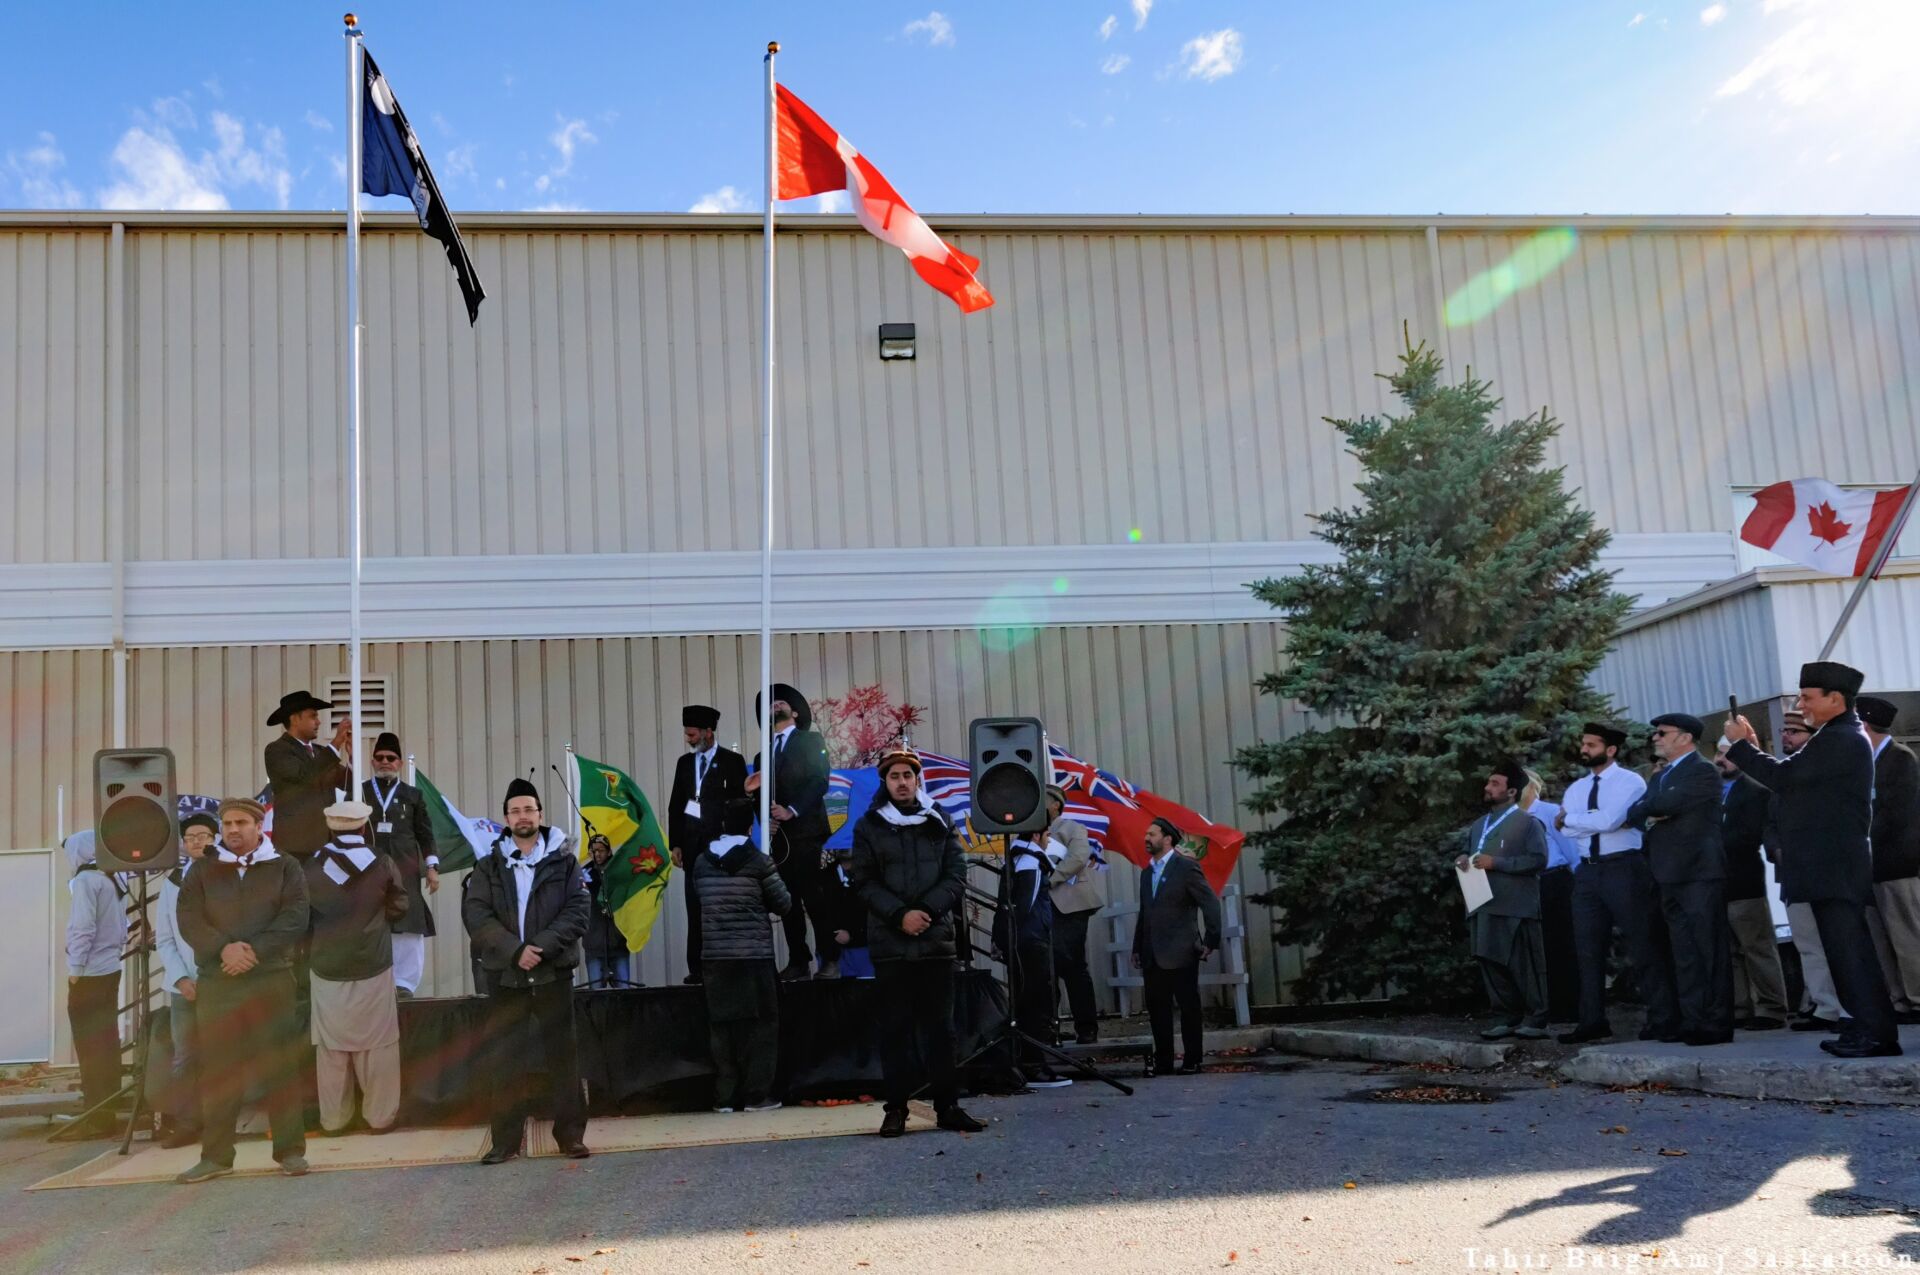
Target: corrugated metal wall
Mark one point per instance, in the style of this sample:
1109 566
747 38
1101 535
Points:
1691 662
1163 380
1164 705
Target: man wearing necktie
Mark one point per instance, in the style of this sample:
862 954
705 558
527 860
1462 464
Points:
305 774
1511 849
1679 817
801 774
707 780
1168 944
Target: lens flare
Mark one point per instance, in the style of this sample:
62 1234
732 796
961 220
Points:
1531 262
1061 584
1135 536
1011 617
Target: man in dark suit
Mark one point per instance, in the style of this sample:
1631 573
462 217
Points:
304 774
1679 816
1825 818
707 781
1168 944
801 773
1759 984
1511 848
1895 914
403 832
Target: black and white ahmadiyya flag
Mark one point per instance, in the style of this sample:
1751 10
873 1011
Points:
391 163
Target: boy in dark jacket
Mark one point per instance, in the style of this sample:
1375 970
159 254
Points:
737 887
525 908
910 869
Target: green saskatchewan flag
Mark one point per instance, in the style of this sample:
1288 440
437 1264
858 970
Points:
636 882
458 839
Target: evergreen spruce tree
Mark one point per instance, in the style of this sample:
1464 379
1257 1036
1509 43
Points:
1458 628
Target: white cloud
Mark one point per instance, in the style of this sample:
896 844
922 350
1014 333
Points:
833 201
1114 63
567 141
37 174
725 200
153 168
458 160
1712 13
558 206
1141 8
1106 28
318 122
1210 57
934 26
1637 19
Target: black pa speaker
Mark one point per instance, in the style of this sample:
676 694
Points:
136 816
1011 772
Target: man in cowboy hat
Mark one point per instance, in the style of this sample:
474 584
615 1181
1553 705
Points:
801 773
707 781
305 774
1826 818
403 832
242 910
356 895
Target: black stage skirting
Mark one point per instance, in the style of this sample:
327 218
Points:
645 1049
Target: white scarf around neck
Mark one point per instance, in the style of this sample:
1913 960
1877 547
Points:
722 846
263 852
891 813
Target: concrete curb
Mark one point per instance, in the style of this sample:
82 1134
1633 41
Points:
1871 1081
1217 1039
1321 1042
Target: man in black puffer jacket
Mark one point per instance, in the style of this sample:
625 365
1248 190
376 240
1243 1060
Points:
910 870
738 888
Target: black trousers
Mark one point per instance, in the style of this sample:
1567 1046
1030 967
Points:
550 1006
745 1052
250 1042
1618 890
1695 914
1070 967
1165 988
800 869
93 1013
1563 958
1855 967
1036 998
916 1031
693 920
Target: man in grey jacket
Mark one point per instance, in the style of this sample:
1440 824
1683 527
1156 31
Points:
1078 887
180 1108
1169 944
1511 849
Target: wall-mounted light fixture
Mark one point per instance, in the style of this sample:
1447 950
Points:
896 341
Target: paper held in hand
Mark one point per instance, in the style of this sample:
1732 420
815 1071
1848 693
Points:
1475 889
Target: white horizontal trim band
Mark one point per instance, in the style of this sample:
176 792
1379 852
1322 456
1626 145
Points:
251 602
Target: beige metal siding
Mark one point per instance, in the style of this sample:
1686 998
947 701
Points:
1691 662
1166 379
1164 705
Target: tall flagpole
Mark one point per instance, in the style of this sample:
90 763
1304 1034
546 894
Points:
354 405
1880 557
766 482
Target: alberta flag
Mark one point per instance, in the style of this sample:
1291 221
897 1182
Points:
459 839
636 880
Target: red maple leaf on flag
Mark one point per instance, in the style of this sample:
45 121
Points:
1826 523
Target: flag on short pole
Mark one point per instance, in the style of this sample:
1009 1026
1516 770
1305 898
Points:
813 158
1816 524
459 839
635 885
392 163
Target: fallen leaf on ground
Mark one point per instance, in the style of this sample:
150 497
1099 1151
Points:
1671 1151
1352 1186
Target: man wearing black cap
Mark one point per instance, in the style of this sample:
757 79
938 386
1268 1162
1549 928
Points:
525 908
403 832
1511 849
305 774
1895 914
1679 816
801 773
1614 887
180 1108
1826 818
707 781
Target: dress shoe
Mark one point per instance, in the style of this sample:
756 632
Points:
765 1105
500 1155
691 980
1499 1031
205 1171
1759 1024
1707 1038
956 1120
294 1166
1814 1023
1582 1035
1188 1069
1861 1049
1530 1033
1044 1078
894 1125
829 969
180 1138
1091 1036
1666 1036
575 1151
794 973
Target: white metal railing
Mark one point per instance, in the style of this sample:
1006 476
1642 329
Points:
1225 968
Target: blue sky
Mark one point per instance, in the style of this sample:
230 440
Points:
1171 106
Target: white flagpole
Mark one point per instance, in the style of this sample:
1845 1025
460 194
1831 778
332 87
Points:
766 484
1880 557
354 403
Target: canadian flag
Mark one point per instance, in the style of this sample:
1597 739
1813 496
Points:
1819 525
812 158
